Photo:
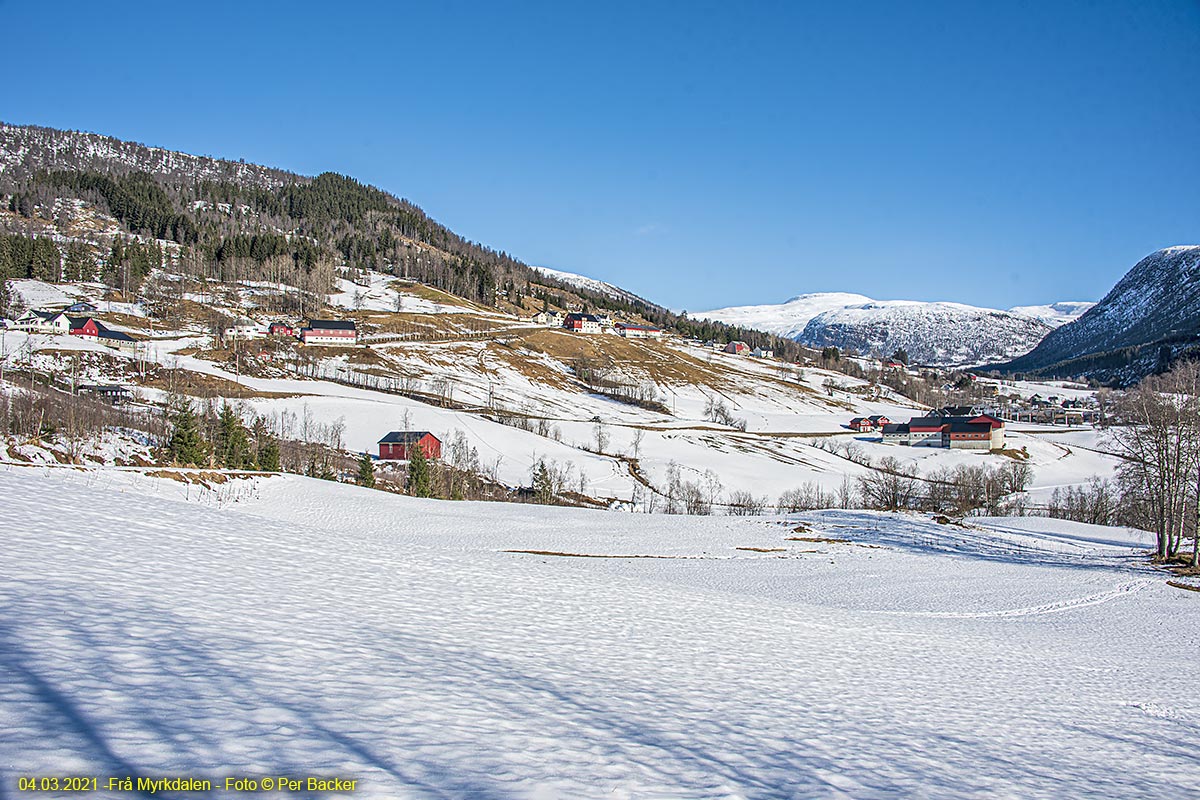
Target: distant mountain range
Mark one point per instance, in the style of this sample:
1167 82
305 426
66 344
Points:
1148 320
931 333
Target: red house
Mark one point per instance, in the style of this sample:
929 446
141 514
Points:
737 348
84 326
398 444
861 424
280 329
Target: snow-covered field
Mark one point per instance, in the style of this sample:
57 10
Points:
284 625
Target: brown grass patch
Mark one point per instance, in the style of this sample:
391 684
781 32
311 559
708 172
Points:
199 384
763 549
817 540
1179 585
585 555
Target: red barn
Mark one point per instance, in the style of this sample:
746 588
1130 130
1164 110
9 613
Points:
861 424
281 329
330 331
398 444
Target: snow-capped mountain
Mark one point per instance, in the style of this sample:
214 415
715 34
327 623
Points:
1148 319
931 333
784 319
1055 314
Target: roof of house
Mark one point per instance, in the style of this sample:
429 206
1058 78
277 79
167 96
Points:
876 417
584 317
957 411
858 420
627 326
118 336
962 426
406 437
929 423
896 427
331 324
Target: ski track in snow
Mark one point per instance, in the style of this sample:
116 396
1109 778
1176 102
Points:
292 626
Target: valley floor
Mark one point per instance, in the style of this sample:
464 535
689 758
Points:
281 625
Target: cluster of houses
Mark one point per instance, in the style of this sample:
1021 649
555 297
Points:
741 349
336 332
954 427
596 323
74 320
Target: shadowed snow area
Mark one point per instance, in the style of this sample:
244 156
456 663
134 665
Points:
290 626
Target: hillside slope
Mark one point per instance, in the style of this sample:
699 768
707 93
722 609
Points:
1151 317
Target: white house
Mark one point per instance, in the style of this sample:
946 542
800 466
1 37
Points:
762 352
638 331
43 322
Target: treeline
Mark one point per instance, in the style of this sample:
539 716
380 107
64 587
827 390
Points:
270 215
136 200
125 266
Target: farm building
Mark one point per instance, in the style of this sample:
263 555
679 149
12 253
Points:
280 329
582 323
330 331
397 445
861 424
895 433
638 331
980 432
737 348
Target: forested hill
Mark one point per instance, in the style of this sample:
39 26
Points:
229 220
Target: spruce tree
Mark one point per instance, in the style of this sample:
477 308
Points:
543 486
232 445
420 478
366 471
186 445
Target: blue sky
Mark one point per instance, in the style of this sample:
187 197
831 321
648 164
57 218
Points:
701 154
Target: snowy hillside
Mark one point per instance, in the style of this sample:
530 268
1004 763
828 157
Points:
291 626
784 319
25 148
1055 314
932 333
1153 312
591 284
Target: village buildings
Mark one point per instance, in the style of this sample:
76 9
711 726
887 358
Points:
582 323
957 432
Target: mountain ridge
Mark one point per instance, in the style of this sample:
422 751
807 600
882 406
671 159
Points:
936 332
1150 318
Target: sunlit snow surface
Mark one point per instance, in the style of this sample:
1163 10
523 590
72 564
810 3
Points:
285 625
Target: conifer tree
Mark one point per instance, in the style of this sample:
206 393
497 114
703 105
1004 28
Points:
232 446
420 477
186 445
366 471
